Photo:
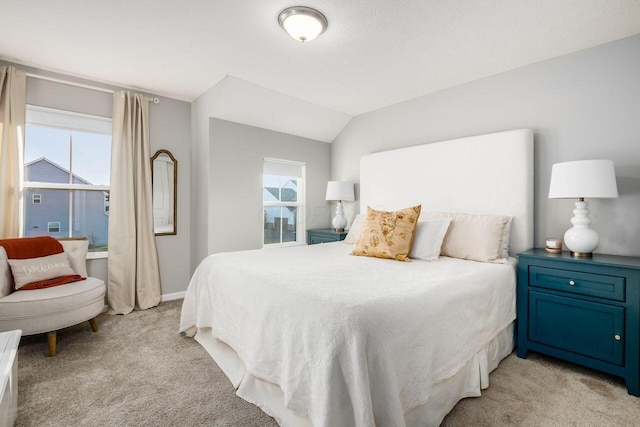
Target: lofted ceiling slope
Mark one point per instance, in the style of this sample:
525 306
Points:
374 53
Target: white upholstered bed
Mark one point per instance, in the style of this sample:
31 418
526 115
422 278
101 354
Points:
314 336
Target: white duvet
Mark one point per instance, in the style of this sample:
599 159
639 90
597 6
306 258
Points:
351 341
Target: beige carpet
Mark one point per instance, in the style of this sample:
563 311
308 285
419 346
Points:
137 371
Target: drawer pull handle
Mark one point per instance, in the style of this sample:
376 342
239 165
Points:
617 337
571 282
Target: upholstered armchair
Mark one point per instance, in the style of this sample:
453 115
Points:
47 310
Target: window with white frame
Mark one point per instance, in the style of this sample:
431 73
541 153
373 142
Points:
283 201
67 162
106 202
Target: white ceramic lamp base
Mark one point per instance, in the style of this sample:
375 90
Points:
581 239
339 222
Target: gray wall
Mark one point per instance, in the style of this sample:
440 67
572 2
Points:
169 123
585 105
236 159
169 129
200 112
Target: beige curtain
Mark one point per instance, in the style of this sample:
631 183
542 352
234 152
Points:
134 278
13 95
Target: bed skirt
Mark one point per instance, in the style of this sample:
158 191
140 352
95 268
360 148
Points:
467 382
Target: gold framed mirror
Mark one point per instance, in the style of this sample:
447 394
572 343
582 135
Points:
164 180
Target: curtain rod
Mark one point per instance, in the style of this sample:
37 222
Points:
70 83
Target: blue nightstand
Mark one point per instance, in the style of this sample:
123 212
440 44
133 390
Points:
324 235
584 310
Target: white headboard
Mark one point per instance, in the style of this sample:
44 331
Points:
480 174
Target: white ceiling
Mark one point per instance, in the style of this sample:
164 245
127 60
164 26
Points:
239 101
374 53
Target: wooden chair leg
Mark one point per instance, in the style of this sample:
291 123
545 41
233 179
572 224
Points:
94 325
51 336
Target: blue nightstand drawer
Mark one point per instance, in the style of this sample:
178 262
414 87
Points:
324 235
595 285
583 327
314 240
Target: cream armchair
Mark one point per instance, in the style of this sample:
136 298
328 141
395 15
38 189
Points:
51 309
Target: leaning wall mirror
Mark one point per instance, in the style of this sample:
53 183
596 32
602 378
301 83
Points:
164 173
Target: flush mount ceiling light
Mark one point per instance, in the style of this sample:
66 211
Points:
302 23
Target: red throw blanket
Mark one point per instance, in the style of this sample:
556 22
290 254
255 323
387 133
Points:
36 247
31 247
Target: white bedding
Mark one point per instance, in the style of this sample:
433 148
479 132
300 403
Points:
350 340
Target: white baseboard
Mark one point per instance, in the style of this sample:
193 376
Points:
163 298
173 296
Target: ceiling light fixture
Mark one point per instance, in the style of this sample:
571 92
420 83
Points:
302 23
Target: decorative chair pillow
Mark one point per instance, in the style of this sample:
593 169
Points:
428 239
76 250
388 234
26 248
5 274
36 273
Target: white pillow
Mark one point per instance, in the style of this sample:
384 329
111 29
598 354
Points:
506 237
77 250
356 230
5 274
32 270
474 237
427 241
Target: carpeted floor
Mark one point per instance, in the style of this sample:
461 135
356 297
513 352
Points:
137 371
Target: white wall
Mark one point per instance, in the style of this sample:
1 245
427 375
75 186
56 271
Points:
169 129
236 159
226 178
223 149
585 105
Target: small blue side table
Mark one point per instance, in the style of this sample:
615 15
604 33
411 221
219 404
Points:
584 310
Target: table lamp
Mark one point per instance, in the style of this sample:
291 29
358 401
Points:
582 179
340 191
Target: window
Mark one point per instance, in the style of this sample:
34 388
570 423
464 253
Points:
283 202
106 203
67 163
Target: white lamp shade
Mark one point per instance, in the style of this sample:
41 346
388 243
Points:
584 178
340 190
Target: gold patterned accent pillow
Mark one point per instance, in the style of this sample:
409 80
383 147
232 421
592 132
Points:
388 234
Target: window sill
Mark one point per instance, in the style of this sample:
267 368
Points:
97 255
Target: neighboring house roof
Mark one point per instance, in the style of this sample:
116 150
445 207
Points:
288 194
44 159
